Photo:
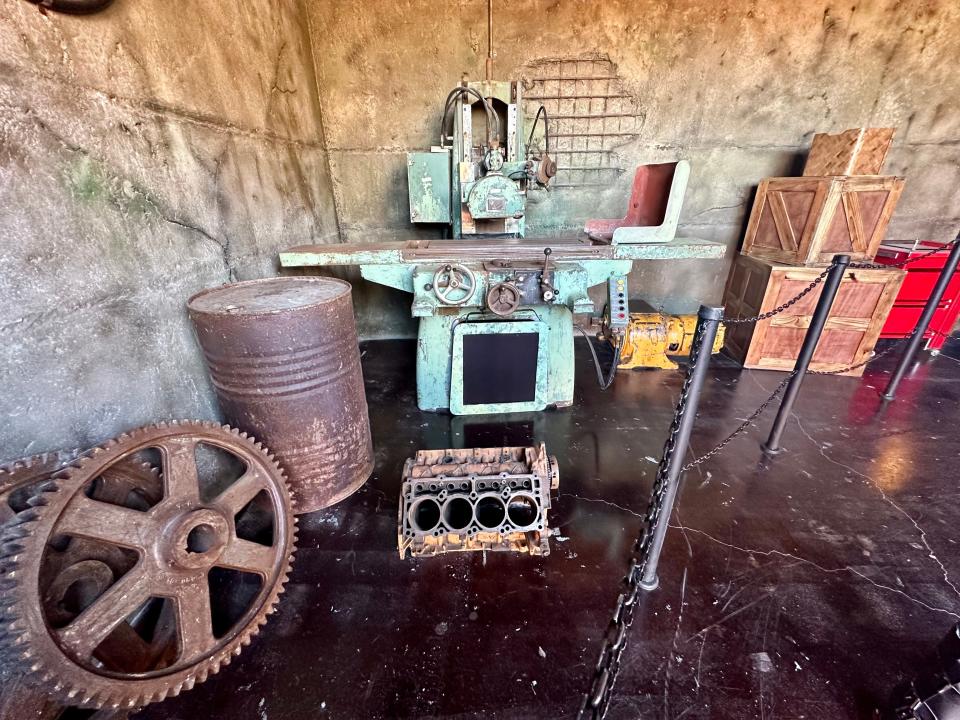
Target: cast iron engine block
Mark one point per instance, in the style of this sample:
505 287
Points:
477 499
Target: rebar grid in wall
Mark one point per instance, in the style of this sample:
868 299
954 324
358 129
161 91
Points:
589 115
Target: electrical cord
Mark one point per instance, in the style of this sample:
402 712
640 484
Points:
546 129
493 120
603 382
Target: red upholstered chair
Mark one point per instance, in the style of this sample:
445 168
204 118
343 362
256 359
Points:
654 209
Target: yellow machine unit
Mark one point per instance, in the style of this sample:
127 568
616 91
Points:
651 337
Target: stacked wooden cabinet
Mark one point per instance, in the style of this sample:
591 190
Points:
841 205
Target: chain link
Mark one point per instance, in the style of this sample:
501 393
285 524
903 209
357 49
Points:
743 426
597 700
780 308
904 263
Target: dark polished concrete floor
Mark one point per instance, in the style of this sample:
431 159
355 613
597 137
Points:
802 587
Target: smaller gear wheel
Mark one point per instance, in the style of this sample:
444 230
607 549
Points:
124 584
21 478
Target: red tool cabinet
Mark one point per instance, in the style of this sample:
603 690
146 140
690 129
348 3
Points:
921 277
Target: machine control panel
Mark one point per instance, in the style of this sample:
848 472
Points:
618 304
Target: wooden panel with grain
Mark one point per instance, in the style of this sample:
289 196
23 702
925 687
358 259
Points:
860 151
860 309
808 220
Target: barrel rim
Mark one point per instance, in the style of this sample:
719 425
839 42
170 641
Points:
348 289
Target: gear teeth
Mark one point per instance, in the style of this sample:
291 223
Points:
18 544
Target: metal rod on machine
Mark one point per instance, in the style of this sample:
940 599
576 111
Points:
827 295
708 322
906 360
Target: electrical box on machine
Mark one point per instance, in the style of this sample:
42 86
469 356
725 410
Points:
477 180
428 180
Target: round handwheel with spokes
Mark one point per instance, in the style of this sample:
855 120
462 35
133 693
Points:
207 561
503 299
454 284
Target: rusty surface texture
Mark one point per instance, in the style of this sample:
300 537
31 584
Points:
20 481
477 499
285 363
142 568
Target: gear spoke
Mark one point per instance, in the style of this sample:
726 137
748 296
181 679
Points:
180 477
114 524
242 491
194 619
248 556
95 623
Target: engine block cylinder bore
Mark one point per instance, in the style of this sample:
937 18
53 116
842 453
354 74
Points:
457 513
285 363
490 511
522 511
425 514
477 499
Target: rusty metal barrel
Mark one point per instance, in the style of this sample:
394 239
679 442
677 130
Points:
284 359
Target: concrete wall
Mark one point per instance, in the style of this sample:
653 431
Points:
146 152
736 87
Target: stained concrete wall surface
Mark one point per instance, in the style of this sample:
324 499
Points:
158 148
736 87
146 152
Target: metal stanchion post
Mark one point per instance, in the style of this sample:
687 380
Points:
923 323
708 323
810 340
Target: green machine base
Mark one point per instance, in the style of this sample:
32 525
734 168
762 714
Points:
478 363
497 315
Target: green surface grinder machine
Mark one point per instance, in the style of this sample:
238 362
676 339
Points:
496 308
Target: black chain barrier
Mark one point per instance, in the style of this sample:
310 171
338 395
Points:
597 700
904 263
641 573
780 308
741 428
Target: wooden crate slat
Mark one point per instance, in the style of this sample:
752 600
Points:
860 151
807 220
756 286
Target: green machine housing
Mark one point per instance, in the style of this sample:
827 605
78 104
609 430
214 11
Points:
496 309
475 182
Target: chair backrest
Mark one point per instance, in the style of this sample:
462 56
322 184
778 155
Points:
649 196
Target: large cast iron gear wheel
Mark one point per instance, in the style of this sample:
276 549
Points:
203 580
